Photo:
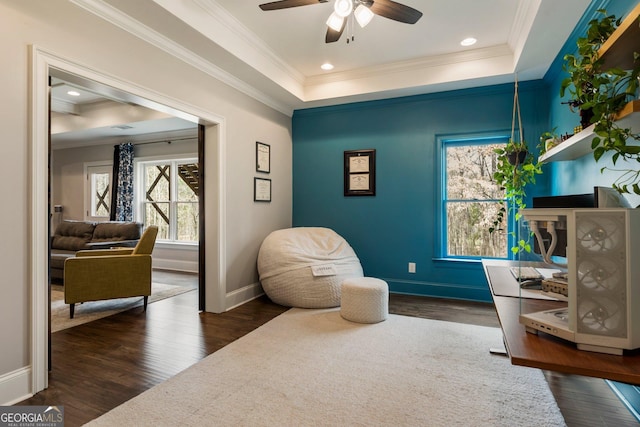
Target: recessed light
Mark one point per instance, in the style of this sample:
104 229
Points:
327 66
470 41
73 93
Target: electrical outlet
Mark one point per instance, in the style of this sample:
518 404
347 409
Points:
412 267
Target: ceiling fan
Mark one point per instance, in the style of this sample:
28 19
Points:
362 10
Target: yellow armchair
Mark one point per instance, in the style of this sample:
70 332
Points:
95 275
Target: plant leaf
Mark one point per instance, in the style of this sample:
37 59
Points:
598 152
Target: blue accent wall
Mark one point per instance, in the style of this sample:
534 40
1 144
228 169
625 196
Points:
400 223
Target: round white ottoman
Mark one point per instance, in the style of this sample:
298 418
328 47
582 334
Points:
364 300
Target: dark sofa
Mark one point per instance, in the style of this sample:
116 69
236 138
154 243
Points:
73 236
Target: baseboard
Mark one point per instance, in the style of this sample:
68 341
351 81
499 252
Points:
175 265
15 386
243 295
628 394
440 290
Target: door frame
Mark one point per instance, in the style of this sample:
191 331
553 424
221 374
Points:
42 63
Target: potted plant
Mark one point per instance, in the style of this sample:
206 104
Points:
604 92
584 67
548 140
516 168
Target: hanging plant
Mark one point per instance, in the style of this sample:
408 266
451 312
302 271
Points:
516 168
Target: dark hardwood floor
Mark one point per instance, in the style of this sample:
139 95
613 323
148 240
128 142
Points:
99 365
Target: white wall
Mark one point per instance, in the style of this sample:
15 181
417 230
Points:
67 177
78 36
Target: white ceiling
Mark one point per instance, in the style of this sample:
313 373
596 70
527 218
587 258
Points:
96 117
387 58
275 56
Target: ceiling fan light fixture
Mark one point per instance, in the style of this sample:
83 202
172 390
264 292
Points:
363 15
335 22
343 7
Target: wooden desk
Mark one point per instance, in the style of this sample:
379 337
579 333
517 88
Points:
547 352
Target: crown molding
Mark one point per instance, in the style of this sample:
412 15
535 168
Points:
216 24
525 16
421 65
257 47
437 73
138 29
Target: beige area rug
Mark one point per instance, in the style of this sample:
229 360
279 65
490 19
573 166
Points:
93 310
313 368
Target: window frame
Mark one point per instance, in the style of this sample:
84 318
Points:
444 141
91 168
139 193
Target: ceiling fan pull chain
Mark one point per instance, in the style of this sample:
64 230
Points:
351 26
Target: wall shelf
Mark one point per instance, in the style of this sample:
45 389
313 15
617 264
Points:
617 51
572 148
580 144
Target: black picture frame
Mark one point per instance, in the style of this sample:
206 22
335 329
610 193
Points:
261 189
360 172
263 157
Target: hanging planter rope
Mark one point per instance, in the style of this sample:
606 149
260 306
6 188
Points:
516 167
517 157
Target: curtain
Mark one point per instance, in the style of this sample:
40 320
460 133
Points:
122 188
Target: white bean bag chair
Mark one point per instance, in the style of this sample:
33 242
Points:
305 266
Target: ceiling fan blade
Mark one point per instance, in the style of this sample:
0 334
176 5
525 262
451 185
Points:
396 11
284 4
333 35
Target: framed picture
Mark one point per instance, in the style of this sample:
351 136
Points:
360 173
261 190
263 157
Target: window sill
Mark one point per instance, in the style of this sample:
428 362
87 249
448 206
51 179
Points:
180 246
460 259
459 262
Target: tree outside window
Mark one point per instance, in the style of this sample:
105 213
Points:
97 191
170 198
471 199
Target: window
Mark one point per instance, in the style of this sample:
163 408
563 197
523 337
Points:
470 199
98 191
168 197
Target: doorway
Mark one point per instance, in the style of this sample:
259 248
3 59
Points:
211 129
